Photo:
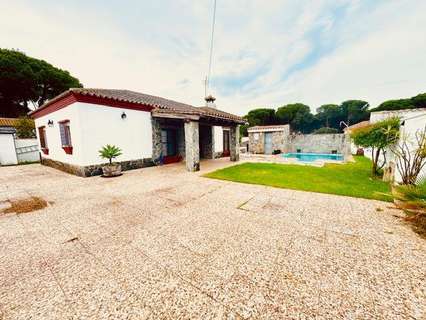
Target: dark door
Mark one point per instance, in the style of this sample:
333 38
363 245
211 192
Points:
169 145
226 151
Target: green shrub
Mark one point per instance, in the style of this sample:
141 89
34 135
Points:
324 130
25 128
378 137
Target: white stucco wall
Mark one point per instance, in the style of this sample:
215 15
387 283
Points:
53 137
414 121
7 149
103 125
93 126
218 139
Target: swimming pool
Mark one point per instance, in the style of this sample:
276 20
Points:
310 157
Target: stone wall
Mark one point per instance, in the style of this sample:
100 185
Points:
256 142
157 125
156 138
206 142
95 170
319 143
279 141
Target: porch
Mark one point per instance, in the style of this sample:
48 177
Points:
193 138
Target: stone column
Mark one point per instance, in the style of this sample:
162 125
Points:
234 143
213 142
156 139
192 146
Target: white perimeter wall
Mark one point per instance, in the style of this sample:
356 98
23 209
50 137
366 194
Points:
27 154
93 126
415 121
218 139
7 149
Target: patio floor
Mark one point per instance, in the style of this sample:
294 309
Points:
162 243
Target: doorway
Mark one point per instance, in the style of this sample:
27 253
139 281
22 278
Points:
268 143
169 145
226 151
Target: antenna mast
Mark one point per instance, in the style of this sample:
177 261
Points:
207 79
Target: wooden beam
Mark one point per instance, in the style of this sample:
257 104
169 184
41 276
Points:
192 117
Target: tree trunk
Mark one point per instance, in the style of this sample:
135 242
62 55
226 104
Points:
375 156
374 167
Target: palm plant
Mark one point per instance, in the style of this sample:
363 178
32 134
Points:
110 152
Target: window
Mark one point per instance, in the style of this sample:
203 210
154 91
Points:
64 128
43 140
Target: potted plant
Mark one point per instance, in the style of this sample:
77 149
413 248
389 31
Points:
110 152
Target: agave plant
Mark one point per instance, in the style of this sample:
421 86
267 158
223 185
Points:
110 152
411 197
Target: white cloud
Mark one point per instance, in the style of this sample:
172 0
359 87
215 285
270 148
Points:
374 53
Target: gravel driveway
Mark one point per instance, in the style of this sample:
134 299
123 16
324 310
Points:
162 243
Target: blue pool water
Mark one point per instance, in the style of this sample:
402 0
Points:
310 157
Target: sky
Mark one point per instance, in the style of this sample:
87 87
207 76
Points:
266 53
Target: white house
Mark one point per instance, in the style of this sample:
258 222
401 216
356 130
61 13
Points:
73 127
412 121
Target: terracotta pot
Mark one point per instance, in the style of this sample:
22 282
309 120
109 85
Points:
111 170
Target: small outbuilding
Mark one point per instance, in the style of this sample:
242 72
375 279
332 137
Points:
73 126
13 148
7 146
268 139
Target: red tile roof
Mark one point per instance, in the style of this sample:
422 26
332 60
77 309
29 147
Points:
358 125
159 105
271 127
8 122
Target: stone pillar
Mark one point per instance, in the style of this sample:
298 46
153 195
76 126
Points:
156 139
192 146
213 142
234 143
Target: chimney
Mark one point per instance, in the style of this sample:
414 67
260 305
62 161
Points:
210 101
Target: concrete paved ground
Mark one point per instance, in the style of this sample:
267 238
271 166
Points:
163 243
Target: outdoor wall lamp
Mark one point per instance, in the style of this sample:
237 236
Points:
123 115
50 123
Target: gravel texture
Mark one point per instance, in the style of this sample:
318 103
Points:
163 243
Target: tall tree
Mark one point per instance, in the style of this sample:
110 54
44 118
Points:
354 111
329 115
418 101
298 116
261 117
25 80
397 104
258 117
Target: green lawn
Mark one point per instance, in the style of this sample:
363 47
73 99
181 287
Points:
351 179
